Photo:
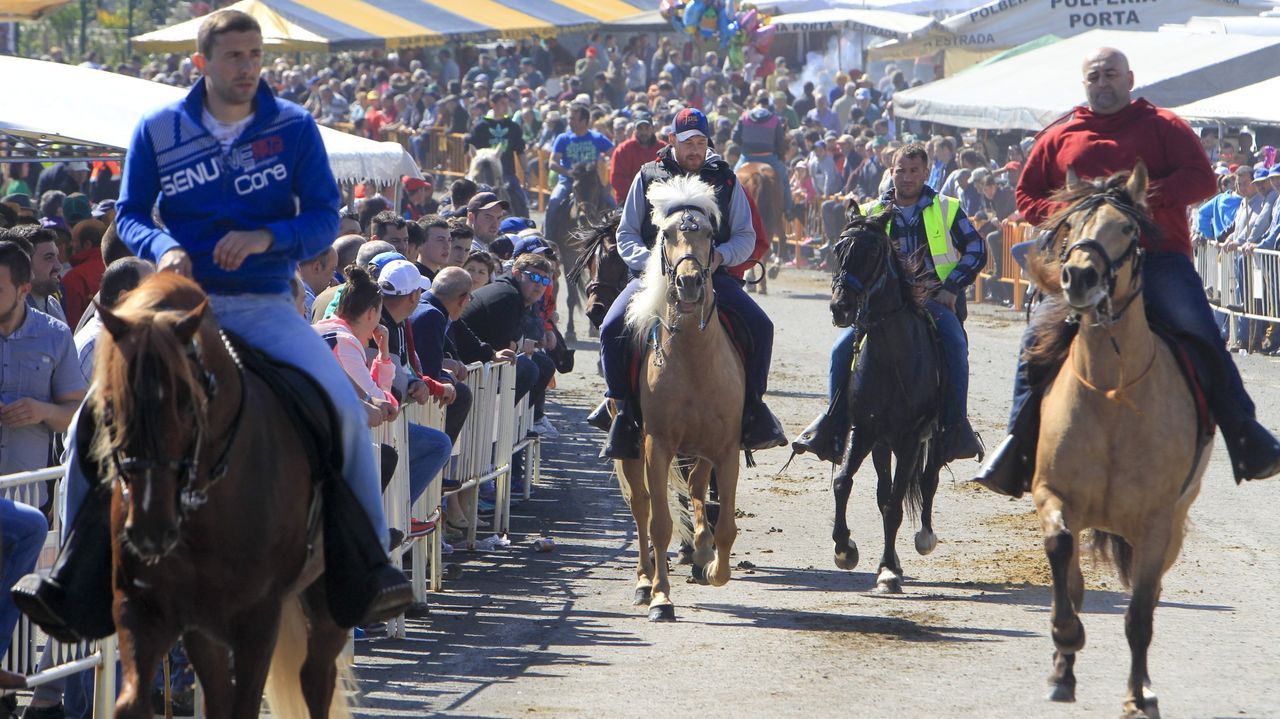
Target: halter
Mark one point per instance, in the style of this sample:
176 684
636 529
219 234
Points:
192 497
1111 267
688 223
847 279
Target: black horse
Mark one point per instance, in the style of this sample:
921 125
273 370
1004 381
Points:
894 391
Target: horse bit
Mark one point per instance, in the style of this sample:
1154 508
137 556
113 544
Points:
188 467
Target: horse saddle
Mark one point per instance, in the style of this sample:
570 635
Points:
304 400
1195 371
735 327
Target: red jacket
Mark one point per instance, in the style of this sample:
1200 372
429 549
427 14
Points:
762 243
625 164
82 283
1101 145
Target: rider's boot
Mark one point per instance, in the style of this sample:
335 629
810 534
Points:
760 429
624 433
360 583
1254 451
599 417
962 443
822 437
72 602
1010 468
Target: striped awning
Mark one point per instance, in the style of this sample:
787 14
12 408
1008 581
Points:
414 23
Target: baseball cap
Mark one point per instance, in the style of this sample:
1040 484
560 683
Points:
401 277
1260 174
533 244
20 199
690 122
862 93
486 200
101 209
513 225
413 184
382 260
76 208
644 117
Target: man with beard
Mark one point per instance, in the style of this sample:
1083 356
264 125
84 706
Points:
632 154
46 269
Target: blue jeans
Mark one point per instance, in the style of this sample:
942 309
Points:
428 453
24 529
778 167
1243 324
272 324
955 362
558 210
1175 300
614 339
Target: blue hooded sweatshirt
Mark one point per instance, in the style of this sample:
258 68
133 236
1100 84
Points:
275 177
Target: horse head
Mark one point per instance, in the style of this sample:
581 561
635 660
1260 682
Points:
597 255
863 260
588 193
152 406
679 269
1100 258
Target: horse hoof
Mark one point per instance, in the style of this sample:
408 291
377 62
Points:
684 556
1064 693
887 582
643 595
847 559
662 613
925 542
570 336
698 573
1149 710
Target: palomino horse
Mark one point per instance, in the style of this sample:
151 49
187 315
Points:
211 536
590 203
687 356
1118 424
893 393
761 182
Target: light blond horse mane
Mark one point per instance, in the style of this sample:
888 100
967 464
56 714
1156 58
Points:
669 200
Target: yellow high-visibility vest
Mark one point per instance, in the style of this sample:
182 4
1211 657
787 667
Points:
936 230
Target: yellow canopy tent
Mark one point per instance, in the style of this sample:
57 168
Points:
11 10
278 34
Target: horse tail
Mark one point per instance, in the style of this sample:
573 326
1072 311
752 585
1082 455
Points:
677 499
1115 550
284 680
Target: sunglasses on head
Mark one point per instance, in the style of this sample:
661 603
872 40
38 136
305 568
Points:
538 278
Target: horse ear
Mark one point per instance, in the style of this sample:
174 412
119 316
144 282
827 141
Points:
118 328
1137 185
852 209
880 221
1073 180
186 327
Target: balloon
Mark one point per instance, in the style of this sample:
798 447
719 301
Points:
692 15
708 23
666 8
749 20
762 40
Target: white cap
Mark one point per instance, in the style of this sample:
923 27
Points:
78 166
401 277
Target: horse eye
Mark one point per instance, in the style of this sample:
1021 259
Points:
1127 229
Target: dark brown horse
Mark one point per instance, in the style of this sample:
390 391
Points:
211 494
597 258
760 180
590 203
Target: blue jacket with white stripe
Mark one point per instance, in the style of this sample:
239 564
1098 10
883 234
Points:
276 176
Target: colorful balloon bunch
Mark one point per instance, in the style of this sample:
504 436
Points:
739 29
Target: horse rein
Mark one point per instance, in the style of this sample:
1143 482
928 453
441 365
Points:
688 223
850 281
192 497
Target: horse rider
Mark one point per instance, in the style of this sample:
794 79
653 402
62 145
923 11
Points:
245 192
921 218
734 239
762 135
497 129
1109 135
578 145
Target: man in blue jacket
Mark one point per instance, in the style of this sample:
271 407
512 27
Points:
245 192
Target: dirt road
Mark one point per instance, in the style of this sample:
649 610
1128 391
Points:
523 634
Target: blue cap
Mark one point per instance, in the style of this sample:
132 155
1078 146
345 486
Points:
1260 174
690 122
382 260
515 225
533 244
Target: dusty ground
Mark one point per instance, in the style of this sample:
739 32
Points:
522 634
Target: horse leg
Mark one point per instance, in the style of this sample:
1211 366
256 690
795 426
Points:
1147 571
657 465
325 641
144 638
889 578
856 449
212 664
1061 547
703 547
726 530
926 540
252 647
632 474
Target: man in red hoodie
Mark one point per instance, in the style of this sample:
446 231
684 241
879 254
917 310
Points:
631 154
1109 135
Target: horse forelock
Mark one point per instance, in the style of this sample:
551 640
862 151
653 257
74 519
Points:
684 191
919 284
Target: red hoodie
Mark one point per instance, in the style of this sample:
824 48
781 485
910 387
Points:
1101 145
625 164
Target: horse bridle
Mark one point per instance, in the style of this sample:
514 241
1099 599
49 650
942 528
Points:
863 292
1111 267
192 497
689 223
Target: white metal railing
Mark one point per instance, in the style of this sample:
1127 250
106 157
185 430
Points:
26 648
1240 285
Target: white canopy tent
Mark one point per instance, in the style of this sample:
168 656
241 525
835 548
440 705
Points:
1265 25
1029 91
1253 104
51 106
1001 24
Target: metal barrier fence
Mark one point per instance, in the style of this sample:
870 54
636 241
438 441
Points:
1242 287
28 641
1002 268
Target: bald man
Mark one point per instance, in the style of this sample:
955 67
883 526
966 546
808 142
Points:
1107 135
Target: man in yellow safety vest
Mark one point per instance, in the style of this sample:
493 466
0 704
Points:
956 252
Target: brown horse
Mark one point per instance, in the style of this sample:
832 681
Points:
211 538
691 388
590 204
1118 450
761 181
596 250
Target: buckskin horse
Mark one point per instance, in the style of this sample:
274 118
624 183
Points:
212 512
1122 447
893 393
691 386
761 182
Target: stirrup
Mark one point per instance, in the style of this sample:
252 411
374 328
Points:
1006 472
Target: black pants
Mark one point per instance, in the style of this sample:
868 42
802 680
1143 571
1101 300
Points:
456 413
